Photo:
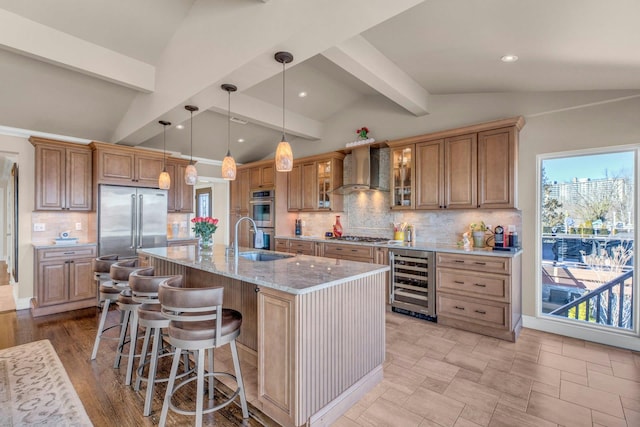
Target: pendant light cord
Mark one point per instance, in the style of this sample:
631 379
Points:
229 123
191 150
164 148
283 91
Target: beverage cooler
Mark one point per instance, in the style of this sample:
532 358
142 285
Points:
413 280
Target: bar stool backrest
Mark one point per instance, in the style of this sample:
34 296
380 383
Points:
103 263
192 304
145 288
121 270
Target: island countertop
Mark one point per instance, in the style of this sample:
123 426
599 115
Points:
299 274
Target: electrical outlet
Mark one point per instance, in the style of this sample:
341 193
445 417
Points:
38 226
78 226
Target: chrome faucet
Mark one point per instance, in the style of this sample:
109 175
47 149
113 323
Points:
235 236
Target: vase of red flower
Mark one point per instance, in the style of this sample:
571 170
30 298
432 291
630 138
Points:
204 227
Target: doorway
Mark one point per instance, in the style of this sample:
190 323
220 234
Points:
587 233
8 238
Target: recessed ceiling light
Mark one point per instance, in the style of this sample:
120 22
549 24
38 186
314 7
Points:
180 127
241 140
302 94
509 58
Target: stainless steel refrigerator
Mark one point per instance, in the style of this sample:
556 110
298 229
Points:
131 218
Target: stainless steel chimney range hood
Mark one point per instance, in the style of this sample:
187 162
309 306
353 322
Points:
365 171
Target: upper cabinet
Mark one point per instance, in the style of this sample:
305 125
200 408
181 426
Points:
63 175
311 183
126 166
465 168
263 176
180 195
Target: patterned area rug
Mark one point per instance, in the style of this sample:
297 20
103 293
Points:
35 388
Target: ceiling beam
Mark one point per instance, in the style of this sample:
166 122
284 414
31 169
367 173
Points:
29 38
196 63
362 60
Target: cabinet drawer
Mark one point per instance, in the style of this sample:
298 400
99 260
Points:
490 264
353 252
484 285
66 253
282 245
488 313
298 247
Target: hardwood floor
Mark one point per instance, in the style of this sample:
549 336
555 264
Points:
433 376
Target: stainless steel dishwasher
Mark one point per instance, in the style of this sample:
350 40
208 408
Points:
413 281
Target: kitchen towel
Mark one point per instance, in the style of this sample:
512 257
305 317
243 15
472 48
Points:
259 239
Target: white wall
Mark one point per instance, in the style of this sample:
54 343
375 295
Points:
25 154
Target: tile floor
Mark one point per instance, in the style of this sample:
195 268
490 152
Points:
439 376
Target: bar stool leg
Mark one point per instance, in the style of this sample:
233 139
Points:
123 334
143 359
153 365
236 364
211 378
103 319
133 340
200 388
170 385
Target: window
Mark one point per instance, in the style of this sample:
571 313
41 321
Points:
203 201
587 224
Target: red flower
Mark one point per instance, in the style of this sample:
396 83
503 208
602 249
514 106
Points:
204 226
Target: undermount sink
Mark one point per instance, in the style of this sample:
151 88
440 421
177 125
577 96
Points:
262 256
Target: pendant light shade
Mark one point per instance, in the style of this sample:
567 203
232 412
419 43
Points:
284 155
229 164
190 172
164 180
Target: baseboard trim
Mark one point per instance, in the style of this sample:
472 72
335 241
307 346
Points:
23 303
628 340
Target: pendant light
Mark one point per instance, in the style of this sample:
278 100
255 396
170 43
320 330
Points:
229 164
190 172
164 180
284 155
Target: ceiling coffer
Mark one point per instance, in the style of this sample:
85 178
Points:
366 166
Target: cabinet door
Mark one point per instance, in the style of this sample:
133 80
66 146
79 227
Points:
294 187
308 195
147 170
184 192
244 190
52 282
116 167
402 177
78 179
172 205
496 168
249 334
323 185
430 174
461 171
50 177
262 176
81 283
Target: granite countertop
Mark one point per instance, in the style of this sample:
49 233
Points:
419 246
298 274
67 246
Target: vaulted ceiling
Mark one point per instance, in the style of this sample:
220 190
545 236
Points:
110 69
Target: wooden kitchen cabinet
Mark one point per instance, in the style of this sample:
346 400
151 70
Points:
402 177
180 197
479 293
349 252
464 168
239 202
63 279
497 166
295 246
312 181
125 165
263 176
63 175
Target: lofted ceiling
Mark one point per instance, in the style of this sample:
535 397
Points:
108 70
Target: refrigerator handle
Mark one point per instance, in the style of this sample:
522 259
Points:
133 221
139 219
392 276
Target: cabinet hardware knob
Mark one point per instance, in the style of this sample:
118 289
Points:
257 289
481 312
459 282
480 285
458 308
459 261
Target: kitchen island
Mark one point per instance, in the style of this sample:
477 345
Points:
316 325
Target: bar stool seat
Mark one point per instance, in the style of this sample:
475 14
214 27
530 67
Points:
101 269
199 323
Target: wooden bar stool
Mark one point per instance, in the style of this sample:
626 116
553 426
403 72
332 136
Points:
199 323
145 291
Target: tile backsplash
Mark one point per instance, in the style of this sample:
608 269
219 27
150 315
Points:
58 222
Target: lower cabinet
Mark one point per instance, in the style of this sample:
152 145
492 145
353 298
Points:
294 246
349 252
63 279
479 293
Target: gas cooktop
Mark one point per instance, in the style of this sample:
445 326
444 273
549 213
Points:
360 239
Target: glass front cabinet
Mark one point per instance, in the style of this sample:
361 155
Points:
324 184
402 177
